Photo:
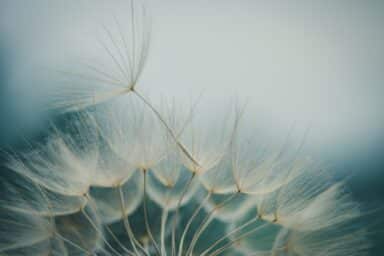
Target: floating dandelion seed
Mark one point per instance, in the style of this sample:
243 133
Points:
131 179
125 49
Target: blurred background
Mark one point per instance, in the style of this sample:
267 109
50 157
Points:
316 64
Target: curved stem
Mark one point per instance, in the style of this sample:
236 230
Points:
228 245
99 231
207 220
66 240
229 234
164 217
148 228
127 226
167 127
194 214
176 219
94 207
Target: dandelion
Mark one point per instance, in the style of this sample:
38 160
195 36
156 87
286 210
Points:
130 178
98 190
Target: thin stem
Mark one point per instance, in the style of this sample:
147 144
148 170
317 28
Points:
228 245
146 246
94 207
176 218
72 243
167 127
127 226
207 220
118 241
181 243
164 217
146 219
98 231
101 250
229 234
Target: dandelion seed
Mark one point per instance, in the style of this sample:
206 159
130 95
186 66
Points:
123 51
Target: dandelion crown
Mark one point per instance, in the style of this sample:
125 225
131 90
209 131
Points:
126 177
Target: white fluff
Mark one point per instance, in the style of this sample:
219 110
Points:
332 242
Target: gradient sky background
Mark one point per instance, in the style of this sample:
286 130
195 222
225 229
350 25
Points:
312 63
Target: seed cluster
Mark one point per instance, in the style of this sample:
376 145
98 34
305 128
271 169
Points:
124 176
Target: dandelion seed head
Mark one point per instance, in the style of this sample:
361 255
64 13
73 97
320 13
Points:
134 178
